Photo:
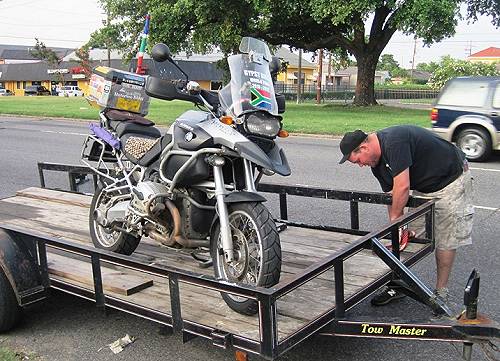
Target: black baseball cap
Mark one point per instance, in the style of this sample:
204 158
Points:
351 141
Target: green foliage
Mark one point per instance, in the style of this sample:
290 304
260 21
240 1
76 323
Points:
450 68
41 52
490 8
428 67
387 62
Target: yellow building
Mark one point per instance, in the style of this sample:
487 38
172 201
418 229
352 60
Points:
489 55
290 77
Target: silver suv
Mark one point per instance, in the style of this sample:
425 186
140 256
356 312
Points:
467 112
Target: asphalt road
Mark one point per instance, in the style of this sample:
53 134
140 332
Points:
68 328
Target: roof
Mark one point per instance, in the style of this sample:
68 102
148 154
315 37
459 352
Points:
293 59
490 52
19 52
196 70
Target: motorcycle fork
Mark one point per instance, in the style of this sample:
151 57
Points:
220 193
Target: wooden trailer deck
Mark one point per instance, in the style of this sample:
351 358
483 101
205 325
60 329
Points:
65 215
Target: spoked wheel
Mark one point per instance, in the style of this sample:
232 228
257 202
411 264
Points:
257 253
108 237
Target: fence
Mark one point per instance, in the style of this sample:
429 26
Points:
346 93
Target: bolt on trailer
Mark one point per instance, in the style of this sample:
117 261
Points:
326 271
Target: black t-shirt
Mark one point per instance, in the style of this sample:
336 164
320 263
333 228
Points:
433 162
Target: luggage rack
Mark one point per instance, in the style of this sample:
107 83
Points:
270 343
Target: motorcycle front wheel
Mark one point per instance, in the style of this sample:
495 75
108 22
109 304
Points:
257 253
106 237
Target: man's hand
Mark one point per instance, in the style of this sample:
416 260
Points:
400 194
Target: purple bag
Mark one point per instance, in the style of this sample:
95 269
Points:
105 135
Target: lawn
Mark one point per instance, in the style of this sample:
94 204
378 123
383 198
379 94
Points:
303 118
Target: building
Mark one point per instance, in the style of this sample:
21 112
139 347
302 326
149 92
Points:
204 69
16 54
347 77
290 77
489 55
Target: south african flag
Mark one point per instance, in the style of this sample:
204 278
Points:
261 98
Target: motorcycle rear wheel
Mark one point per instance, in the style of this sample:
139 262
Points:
107 238
257 252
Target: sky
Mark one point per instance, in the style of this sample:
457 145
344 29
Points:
69 23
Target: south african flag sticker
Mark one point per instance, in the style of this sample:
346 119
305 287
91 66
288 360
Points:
260 98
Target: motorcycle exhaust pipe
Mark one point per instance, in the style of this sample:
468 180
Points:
176 235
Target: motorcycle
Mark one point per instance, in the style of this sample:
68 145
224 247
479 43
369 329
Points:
194 188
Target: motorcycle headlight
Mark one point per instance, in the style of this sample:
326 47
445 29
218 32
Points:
262 124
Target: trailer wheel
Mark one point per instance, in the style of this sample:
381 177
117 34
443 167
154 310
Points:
257 249
10 312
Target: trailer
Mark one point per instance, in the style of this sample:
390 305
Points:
326 271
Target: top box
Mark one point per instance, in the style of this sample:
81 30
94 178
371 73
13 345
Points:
118 89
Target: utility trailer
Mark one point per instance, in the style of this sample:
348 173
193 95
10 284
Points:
326 271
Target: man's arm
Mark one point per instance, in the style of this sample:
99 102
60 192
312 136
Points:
400 194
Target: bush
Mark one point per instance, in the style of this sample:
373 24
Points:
451 68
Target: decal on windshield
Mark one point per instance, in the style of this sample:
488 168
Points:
261 98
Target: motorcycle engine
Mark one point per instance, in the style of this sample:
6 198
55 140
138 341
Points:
142 194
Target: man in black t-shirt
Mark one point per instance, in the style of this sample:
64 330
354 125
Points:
405 158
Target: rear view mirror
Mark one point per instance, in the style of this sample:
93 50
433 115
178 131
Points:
275 65
161 52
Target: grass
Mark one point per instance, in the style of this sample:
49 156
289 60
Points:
303 118
7 354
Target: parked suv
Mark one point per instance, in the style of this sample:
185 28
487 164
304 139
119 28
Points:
70 91
36 90
467 112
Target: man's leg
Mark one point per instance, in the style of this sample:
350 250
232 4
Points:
444 264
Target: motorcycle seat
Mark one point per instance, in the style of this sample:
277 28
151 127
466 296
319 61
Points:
125 127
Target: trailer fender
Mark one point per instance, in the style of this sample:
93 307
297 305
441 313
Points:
20 268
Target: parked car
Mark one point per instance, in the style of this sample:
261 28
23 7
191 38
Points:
36 90
70 91
467 112
5 92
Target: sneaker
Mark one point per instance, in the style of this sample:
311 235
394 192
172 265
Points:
443 294
385 296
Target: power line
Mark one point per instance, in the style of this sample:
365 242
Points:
40 38
15 5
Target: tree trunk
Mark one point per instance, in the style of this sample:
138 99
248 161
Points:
365 84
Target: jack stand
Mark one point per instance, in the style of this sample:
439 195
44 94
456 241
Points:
471 294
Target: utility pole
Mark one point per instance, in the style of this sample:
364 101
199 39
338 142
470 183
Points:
320 76
329 69
299 81
413 58
108 23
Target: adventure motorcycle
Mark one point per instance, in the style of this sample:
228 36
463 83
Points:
194 188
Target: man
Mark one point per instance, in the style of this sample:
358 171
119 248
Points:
405 158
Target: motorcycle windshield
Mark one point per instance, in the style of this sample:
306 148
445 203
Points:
251 86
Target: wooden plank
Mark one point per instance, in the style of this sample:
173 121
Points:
122 283
75 199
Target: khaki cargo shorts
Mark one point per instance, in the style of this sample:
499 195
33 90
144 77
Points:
453 213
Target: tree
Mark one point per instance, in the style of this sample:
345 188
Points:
84 59
108 37
336 25
387 62
41 52
449 68
428 67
